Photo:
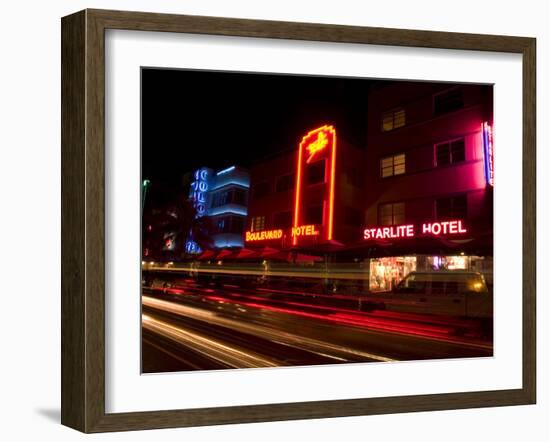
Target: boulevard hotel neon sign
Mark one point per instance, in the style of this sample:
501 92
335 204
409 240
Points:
266 235
316 145
454 227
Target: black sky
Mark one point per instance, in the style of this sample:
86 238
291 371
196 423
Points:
217 119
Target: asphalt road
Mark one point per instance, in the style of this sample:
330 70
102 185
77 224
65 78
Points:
202 327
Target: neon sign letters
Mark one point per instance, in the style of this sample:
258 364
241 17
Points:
389 232
454 227
488 152
308 230
318 142
264 235
198 190
443 227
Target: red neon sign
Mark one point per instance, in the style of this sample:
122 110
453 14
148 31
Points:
315 142
316 146
454 227
266 235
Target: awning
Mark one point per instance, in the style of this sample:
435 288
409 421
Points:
207 254
302 257
266 252
246 253
480 245
224 254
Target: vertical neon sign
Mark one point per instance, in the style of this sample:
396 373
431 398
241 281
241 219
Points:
317 144
198 190
488 152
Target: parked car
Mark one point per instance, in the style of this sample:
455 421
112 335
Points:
455 293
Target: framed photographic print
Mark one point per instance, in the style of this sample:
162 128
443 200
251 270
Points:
269 220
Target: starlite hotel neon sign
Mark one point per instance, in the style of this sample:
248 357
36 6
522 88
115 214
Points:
454 227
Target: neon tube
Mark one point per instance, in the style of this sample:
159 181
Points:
331 195
315 146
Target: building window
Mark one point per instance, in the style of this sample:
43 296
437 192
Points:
393 119
257 223
450 152
238 197
316 172
448 101
230 224
282 220
391 214
356 177
455 207
231 196
353 216
261 189
220 199
314 215
394 165
285 183
237 224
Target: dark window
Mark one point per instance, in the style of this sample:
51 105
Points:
316 172
356 177
282 220
239 197
230 196
450 152
458 151
220 198
237 224
455 207
261 189
285 183
353 216
448 101
314 215
230 224
391 214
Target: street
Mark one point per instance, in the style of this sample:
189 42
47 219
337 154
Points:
204 327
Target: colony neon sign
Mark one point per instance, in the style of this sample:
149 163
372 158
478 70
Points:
266 235
199 187
320 142
454 227
488 152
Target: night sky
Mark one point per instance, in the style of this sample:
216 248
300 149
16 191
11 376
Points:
218 119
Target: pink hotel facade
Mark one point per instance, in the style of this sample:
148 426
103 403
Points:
423 198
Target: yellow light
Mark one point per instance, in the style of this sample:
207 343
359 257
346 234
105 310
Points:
316 146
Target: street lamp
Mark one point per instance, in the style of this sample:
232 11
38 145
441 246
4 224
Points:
144 186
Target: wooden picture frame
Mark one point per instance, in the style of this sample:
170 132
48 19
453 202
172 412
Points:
83 220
